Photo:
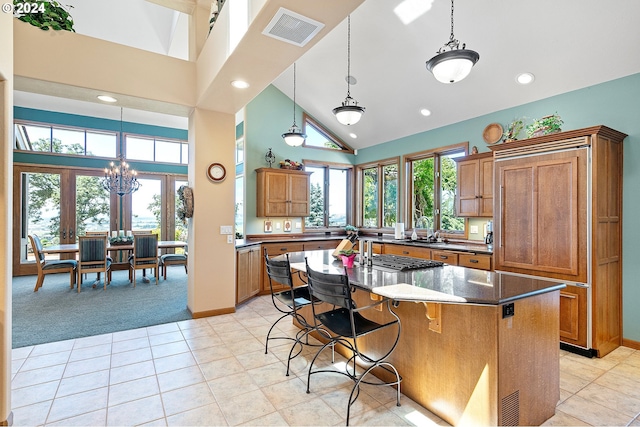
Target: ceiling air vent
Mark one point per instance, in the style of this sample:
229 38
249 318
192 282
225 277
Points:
292 27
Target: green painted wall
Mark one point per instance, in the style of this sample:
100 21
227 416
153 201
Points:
615 104
267 117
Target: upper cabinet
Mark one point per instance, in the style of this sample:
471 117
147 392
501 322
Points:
475 185
282 192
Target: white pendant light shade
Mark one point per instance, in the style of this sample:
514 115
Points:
452 63
349 113
294 137
452 66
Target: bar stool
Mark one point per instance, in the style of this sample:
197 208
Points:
344 320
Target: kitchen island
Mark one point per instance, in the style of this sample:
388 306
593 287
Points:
477 347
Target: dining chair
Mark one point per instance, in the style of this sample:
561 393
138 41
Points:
51 267
92 258
173 259
99 233
344 319
145 255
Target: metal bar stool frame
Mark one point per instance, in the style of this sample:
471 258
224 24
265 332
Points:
348 325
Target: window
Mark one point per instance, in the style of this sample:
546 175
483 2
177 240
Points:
156 150
379 183
319 137
75 141
330 194
432 189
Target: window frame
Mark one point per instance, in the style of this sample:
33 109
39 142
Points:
154 139
344 147
379 165
349 192
435 153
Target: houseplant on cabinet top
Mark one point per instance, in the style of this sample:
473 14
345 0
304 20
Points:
545 125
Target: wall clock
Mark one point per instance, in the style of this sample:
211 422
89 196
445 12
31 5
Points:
216 172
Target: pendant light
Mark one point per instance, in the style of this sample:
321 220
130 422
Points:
455 64
294 137
349 113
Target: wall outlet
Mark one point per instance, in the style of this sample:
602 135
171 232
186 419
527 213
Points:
298 225
229 238
473 229
278 226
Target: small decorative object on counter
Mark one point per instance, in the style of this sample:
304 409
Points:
414 235
348 256
545 125
291 164
121 240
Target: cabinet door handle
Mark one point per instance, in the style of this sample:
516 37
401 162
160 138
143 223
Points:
501 240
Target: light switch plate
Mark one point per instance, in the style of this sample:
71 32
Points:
226 229
278 226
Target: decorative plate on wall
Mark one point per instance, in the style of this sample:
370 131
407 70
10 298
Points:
492 133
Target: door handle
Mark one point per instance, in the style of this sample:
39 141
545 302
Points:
64 234
71 233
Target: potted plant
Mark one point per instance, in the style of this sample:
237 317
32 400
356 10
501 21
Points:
545 125
348 256
44 14
513 130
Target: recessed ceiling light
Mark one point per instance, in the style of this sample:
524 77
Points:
353 135
525 78
240 84
425 112
107 98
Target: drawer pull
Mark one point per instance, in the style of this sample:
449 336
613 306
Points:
283 249
405 252
444 257
475 261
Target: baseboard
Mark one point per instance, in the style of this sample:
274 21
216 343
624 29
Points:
209 313
8 421
631 344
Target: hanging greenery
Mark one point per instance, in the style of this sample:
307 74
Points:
44 14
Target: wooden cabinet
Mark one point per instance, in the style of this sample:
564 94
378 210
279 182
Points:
248 268
406 250
282 192
471 260
318 245
475 185
273 250
447 257
558 214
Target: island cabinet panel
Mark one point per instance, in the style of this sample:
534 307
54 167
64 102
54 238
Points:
282 192
475 185
248 269
273 250
481 369
405 250
558 215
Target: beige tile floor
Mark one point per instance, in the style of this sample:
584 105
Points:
213 371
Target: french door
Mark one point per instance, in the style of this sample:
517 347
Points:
60 203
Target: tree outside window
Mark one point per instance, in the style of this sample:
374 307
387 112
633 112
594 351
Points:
329 203
379 193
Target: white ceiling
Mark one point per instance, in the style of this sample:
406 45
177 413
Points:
567 45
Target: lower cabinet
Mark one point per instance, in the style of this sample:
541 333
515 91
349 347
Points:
447 257
573 315
248 269
275 249
404 250
479 261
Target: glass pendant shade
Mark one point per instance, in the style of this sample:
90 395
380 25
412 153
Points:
349 113
452 66
294 137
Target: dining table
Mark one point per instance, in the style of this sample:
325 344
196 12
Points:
70 248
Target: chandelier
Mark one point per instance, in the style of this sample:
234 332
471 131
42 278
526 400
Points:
453 65
349 113
120 179
294 137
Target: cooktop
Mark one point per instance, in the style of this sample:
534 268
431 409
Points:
403 263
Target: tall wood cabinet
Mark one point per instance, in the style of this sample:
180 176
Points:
475 185
282 192
558 204
248 270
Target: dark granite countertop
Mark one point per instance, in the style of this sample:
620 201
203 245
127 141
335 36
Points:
446 284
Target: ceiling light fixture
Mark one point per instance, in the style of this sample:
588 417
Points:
120 179
525 78
353 135
239 84
107 98
453 65
294 137
349 113
425 112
